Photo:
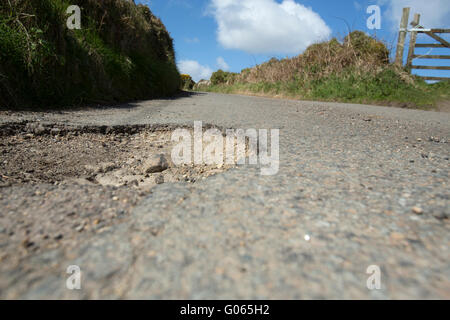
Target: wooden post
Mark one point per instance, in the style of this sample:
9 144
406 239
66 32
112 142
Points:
412 40
402 37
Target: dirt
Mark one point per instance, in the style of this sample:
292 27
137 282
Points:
443 106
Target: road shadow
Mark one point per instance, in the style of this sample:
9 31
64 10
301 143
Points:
183 94
102 105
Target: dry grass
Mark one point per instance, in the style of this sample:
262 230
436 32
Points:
321 60
357 69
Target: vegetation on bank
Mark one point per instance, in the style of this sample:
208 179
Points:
122 52
186 82
357 70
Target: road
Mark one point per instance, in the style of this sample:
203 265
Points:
343 199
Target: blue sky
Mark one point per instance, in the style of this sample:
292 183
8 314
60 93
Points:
237 34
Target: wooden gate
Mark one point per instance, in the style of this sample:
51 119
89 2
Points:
433 33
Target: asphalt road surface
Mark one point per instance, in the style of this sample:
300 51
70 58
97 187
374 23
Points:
358 186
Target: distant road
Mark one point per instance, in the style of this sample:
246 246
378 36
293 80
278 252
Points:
350 176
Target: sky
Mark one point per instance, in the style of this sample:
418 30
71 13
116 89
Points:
237 34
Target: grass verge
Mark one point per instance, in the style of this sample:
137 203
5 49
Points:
382 89
355 71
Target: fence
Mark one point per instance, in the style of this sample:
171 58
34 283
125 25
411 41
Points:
417 28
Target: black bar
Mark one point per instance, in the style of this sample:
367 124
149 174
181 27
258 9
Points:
222 309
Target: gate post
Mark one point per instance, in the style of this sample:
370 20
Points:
412 41
402 37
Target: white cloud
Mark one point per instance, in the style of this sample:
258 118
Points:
221 63
195 69
266 26
434 13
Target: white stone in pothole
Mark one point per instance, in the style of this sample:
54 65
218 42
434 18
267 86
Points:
108 180
100 168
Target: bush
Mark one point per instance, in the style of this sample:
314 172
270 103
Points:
219 77
186 82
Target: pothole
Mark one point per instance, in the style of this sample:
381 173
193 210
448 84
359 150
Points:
58 182
135 156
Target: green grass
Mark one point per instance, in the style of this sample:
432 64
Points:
121 53
385 87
